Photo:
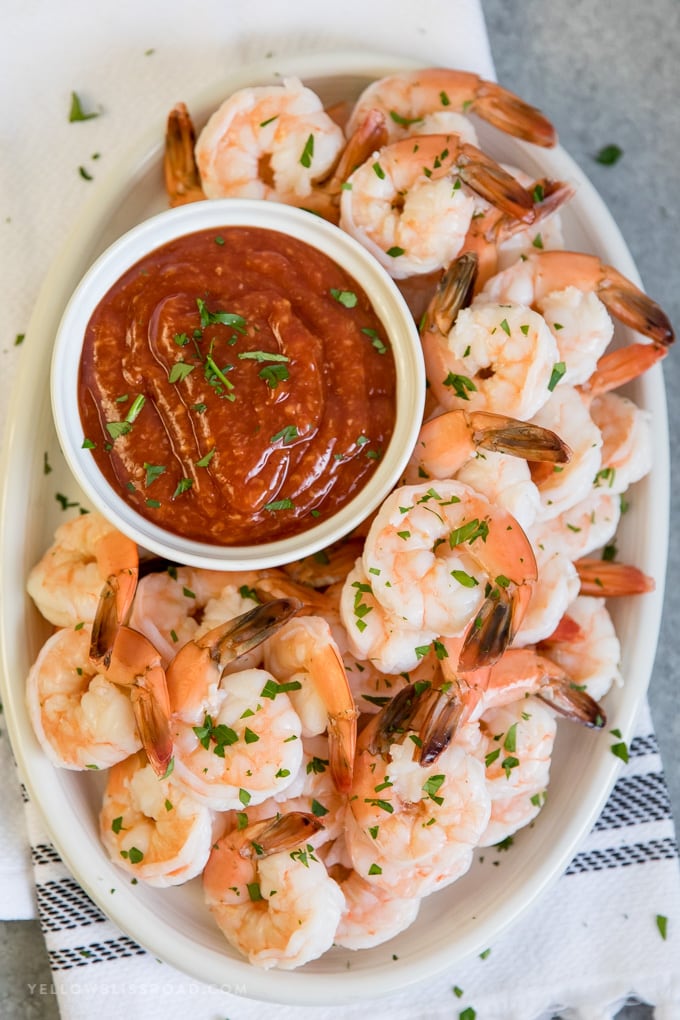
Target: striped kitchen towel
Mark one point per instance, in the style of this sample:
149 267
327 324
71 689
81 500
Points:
609 929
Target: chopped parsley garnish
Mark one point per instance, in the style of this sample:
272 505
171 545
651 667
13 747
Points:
272 688
223 318
559 368
431 787
76 112
308 153
179 371
347 298
461 385
287 434
183 485
153 471
608 155
280 504
204 461
467 580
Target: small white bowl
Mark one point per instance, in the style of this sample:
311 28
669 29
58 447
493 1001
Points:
387 302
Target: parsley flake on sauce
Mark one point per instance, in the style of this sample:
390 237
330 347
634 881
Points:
153 471
280 504
179 371
223 318
347 298
287 434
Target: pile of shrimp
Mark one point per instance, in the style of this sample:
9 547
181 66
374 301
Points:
323 745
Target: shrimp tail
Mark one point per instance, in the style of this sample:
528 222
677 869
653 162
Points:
441 720
342 735
573 703
234 638
112 612
608 579
494 184
280 834
135 664
490 633
330 678
152 719
507 112
370 136
454 291
616 368
429 712
182 179
517 438
635 309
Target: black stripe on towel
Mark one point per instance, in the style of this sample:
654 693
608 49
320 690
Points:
635 799
44 853
64 905
94 952
639 746
623 856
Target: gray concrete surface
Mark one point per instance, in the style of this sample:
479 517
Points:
603 73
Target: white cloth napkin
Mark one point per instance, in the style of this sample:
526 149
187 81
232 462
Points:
593 939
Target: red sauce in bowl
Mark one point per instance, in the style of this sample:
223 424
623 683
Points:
236 386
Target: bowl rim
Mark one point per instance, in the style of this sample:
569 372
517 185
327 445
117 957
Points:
387 301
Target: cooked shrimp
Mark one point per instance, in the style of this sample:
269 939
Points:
151 828
557 585
236 736
626 441
518 673
545 233
411 203
374 634
327 566
409 97
373 687
270 895
517 746
447 441
184 603
499 240
506 482
89 573
169 606
412 825
495 357
304 653
313 791
588 525
563 486
243 746
569 289
429 554
81 717
592 658
371 915
268 142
